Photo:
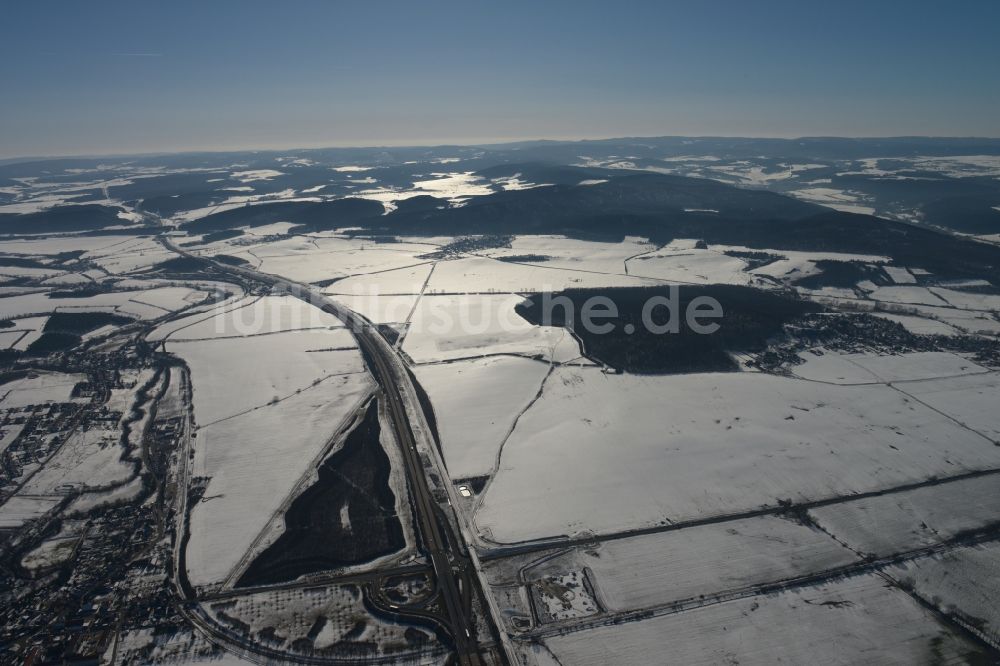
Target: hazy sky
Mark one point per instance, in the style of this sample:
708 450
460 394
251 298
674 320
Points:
110 77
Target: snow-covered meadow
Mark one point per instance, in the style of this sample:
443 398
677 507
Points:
476 404
452 327
606 453
269 392
906 521
863 617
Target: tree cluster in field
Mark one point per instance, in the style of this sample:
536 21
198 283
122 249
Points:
315 537
750 317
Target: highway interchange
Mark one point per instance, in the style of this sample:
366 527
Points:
454 572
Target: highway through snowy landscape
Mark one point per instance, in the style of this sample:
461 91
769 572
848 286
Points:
454 572
337 407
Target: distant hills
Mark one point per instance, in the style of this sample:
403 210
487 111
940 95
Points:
788 194
62 219
306 215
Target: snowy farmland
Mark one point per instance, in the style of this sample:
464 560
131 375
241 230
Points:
89 459
399 281
696 563
319 258
452 327
267 405
964 583
380 309
920 325
827 493
794 264
268 314
707 445
866 368
39 388
476 404
141 304
969 400
232 375
129 256
572 254
20 509
317 266
483 275
867 620
96 245
906 521
253 462
198 315
271 348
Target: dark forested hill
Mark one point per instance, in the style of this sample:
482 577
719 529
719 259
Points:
87 217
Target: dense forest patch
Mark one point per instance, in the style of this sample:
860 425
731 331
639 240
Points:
749 317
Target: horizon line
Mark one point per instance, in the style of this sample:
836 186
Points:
487 143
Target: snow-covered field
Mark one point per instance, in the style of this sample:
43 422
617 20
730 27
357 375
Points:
967 300
606 453
570 253
971 400
8 338
35 204
380 309
325 266
568 263
699 266
131 255
89 459
455 187
38 388
660 569
795 264
67 279
233 375
31 273
919 325
828 366
316 258
409 280
269 314
198 315
866 368
475 405
964 582
842 200
480 274
855 621
58 244
20 509
970 321
914 295
905 521
256 175
254 461
900 275
267 404
452 327
143 304
8 434
745 172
